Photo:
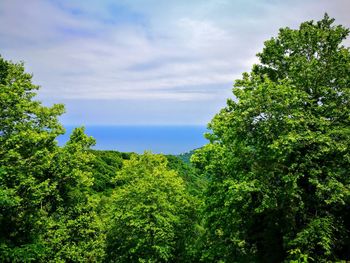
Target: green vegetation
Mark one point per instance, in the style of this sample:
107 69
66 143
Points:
271 186
278 156
45 209
105 166
152 214
186 157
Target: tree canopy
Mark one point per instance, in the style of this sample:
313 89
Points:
152 213
45 213
279 155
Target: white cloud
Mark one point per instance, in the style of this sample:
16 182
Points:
146 50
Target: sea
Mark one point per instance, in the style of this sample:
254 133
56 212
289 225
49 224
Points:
157 139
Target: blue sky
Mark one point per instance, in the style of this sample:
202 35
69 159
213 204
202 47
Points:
145 62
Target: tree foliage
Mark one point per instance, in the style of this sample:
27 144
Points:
44 208
195 182
27 141
152 213
279 156
105 166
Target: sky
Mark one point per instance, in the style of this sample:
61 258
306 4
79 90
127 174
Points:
145 62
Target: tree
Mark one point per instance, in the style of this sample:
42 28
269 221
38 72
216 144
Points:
27 142
105 166
152 216
278 157
45 212
74 232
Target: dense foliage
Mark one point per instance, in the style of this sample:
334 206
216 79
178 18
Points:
151 213
279 154
272 185
105 166
45 213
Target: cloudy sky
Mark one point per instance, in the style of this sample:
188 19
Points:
145 62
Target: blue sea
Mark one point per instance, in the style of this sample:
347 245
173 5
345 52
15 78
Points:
158 139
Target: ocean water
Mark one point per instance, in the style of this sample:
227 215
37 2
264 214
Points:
158 139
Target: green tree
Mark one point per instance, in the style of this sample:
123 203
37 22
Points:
74 232
195 183
45 212
27 144
105 166
278 157
153 216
